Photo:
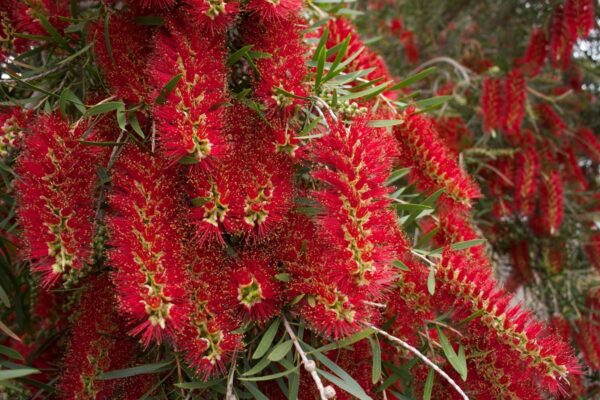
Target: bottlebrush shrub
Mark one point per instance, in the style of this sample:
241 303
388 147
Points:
226 198
531 145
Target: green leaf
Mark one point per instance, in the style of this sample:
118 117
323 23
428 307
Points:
428 385
376 351
338 59
432 102
150 20
122 119
467 244
283 277
430 201
255 391
9 332
280 350
198 385
397 174
12 353
309 127
344 385
384 123
133 371
66 96
412 207
268 377
17 373
54 34
400 265
103 108
340 344
322 43
320 68
259 366
4 297
107 38
431 281
267 339
135 124
459 364
365 94
416 77
167 89
239 54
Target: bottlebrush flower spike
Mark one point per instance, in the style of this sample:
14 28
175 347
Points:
189 123
270 10
536 53
561 38
255 287
432 166
521 262
411 52
155 4
354 165
581 16
589 143
588 339
146 239
552 203
492 104
207 338
516 95
510 332
526 180
97 345
212 15
12 124
575 171
455 227
55 194
592 249
455 132
285 69
339 30
305 254
124 66
550 119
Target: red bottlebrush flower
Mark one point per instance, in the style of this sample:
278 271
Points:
189 123
270 10
516 95
492 104
455 132
285 69
212 15
536 52
588 340
396 26
552 203
580 14
562 38
520 343
124 66
206 338
12 124
575 171
590 143
339 30
354 166
146 237
432 165
526 180
519 254
155 4
550 119
98 344
411 52
561 327
55 194
306 255
455 227
592 249
255 287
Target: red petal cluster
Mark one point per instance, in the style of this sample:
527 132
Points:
56 191
212 15
98 344
516 95
146 239
278 10
432 166
552 203
589 143
124 59
455 133
581 17
189 123
562 39
550 119
526 180
535 54
492 104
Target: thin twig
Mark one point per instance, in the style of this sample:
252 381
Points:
421 356
229 394
325 392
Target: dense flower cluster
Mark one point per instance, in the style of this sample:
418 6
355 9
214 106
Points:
214 219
